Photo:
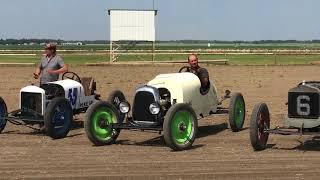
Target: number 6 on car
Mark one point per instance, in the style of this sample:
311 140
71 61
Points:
303 108
303 115
170 103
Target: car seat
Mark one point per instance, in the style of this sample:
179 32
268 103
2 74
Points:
89 85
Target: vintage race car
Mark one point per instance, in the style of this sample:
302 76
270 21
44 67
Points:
53 105
303 116
169 103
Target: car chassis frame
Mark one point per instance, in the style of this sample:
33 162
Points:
131 125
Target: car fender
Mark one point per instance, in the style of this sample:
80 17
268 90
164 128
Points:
185 88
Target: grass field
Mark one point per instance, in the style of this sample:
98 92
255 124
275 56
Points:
91 53
72 59
233 59
169 46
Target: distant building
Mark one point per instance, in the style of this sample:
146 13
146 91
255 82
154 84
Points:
42 44
72 44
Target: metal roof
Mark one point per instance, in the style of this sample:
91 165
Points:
156 11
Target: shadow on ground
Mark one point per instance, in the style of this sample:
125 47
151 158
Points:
204 131
36 131
312 144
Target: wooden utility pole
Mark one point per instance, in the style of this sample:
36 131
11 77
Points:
153 50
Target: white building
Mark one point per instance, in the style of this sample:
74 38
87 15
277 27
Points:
72 44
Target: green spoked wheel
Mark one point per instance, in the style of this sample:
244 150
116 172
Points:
98 124
237 112
101 121
180 127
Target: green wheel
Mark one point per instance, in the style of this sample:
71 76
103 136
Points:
180 127
237 112
98 124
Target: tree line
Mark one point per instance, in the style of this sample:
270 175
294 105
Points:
59 41
244 42
40 41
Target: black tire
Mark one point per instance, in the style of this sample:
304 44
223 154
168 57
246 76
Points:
260 120
58 118
188 132
93 126
3 114
237 112
115 98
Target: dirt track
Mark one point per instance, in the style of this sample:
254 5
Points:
217 153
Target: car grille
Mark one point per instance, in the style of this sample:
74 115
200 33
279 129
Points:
31 101
303 105
142 101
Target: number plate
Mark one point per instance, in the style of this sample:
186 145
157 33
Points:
303 105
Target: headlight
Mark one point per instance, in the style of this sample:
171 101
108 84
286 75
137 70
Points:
124 107
154 108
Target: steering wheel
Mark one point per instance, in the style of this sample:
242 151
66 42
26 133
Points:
71 75
185 69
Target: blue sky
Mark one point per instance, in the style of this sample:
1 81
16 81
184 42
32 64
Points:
177 19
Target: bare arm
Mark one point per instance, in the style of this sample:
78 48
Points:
37 72
62 70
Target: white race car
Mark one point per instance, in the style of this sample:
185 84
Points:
169 103
53 105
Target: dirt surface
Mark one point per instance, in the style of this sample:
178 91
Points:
217 152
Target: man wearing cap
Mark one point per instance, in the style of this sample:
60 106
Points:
202 73
50 66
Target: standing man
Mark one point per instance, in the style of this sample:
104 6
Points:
202 73
50 66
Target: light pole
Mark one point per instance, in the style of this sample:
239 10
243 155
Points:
153 4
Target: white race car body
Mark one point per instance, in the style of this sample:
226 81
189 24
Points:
34 90
74 92
39 98
170 104
185 88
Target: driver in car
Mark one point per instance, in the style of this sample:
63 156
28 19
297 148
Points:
50 66
202 73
